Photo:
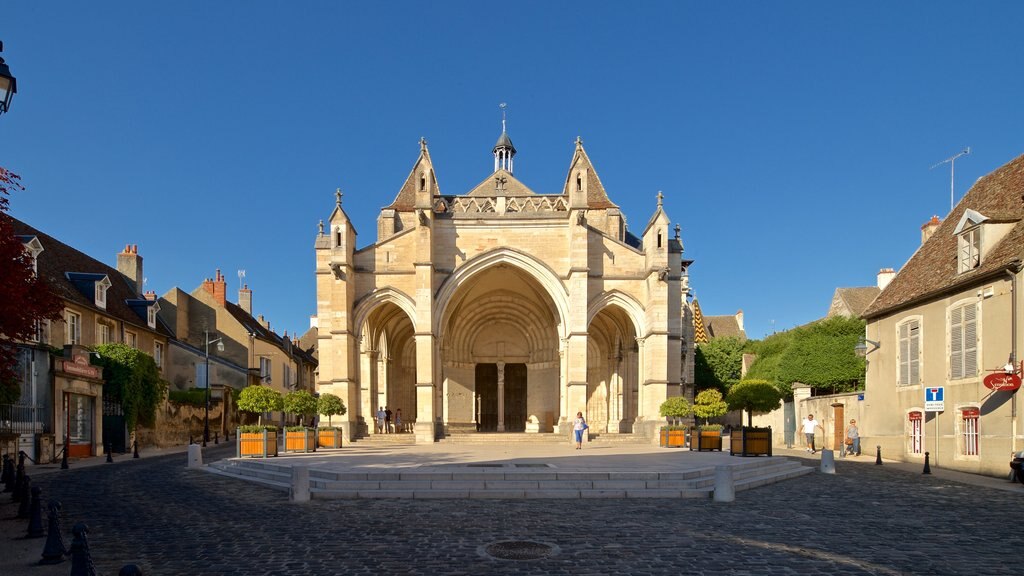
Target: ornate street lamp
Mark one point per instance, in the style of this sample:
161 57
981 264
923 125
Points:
8 85
861 349
206 418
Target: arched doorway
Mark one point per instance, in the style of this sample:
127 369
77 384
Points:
499 354
387 364
612 371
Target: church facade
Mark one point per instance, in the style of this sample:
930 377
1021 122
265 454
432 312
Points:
501 309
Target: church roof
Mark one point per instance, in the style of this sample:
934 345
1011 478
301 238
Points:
511 185
596 195
504 142
855 300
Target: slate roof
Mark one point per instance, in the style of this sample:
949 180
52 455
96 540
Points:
722 326
856 299
57 259
932 270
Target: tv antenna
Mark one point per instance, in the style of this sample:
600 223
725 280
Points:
952 160
241 277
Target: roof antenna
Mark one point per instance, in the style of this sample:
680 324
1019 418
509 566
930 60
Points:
951 160
503 106
241 275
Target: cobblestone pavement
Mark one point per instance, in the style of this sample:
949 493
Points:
864 520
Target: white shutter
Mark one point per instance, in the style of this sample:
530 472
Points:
914 361
970 341
956 344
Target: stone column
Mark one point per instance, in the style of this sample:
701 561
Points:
501 396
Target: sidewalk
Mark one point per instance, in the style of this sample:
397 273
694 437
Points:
75 463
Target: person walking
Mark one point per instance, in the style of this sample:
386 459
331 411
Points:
398 420
853 439
579 425
809 425
380 420
387 420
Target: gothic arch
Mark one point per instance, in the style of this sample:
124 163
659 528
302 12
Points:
634 311
367 304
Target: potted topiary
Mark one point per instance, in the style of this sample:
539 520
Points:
259 439
299 438
752 396
709 404
329 405
674 434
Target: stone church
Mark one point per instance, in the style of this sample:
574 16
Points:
501 309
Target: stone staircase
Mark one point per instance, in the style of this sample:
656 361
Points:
511 481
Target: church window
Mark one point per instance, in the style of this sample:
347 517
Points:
423 183
659 238
579 183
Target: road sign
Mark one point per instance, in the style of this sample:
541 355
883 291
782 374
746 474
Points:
934 399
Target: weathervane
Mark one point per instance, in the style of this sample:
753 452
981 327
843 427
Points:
951 160
503 106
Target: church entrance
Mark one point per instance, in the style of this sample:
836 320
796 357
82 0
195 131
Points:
510 385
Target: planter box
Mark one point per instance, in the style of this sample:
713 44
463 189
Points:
261 444
328 438
748 441
708 440
304 441
673 438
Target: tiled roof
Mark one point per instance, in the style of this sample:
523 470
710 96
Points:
933 268
700 334
723 326
57 259
856 299
251 324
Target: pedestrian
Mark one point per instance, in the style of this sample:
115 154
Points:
809 425
398 420
579 425
387 420
853 439
380 419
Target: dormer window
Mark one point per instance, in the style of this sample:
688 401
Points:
968 241
101 292
34 248
151 315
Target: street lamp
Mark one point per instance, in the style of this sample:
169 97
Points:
8 85
861 349
206 419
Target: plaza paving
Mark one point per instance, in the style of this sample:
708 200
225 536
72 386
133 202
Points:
865 519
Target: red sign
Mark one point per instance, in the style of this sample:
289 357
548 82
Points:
80 367
1001 381
915 415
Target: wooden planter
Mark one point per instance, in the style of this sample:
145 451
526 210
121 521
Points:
304 441
257 444
708 440
750 441
328 438
673 438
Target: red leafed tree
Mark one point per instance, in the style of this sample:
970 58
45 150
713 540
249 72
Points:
24 297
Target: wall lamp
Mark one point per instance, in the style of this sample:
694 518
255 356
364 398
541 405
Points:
861 349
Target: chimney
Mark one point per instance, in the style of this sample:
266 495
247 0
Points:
245 299
739 319
217 287
263 322
129 263
929 228
149 295
885 275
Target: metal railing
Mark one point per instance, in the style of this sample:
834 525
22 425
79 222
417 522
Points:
22 419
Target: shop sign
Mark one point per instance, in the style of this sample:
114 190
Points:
80 366
1001 381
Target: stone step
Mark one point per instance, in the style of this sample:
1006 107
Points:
548 438
511 482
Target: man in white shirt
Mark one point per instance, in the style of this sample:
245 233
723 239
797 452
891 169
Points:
809 425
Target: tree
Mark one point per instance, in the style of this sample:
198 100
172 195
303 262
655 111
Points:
25 298
133 379
821 356
259 399
300 403
753 396
709 404
675 408
718 363
330 405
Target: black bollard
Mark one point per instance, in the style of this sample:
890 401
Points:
878 456
35 515
81 559
25 501
130 570
190 442
216 437
64 458
927 467
106 448
136 445
19 477
8 473
54 550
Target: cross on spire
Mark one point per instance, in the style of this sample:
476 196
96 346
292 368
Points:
677 231
660 198
337 197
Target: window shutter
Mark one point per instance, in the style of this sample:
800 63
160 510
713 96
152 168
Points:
915 353
956 344
970 340
904 355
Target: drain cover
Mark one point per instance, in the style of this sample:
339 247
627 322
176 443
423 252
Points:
520 550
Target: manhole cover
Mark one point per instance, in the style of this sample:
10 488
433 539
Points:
520 550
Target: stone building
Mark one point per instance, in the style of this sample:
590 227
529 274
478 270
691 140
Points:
501 309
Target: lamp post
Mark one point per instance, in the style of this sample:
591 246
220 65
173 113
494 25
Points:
206 418
8 84
861 349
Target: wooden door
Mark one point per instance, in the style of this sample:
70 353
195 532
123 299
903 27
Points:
487 392
839 434
515 397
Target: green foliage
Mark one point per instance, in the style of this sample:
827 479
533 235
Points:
709 404
821 356
259 399
300 403
133 379
718 363
710 427
330 405
674 427
191 397
753 396
326 428
256 428
675 408
296 428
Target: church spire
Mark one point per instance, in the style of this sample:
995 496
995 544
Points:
503 150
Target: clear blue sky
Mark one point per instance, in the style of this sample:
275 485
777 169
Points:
792 140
